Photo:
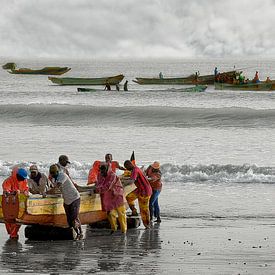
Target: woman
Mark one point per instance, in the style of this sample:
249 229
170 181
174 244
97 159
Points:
109 187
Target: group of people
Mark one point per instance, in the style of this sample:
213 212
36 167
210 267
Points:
237 78
108 86
103 175
108 184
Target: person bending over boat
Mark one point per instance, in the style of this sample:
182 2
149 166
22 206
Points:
71 198
15 184
153 174
142 193
113 201
63 161
38 182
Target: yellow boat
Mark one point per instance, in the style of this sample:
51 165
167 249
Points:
43 71
49 211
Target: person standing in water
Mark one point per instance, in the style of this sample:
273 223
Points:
125 86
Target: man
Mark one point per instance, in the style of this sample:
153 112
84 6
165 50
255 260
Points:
15 184
94 171
63 161
71 198
111 192
38 182
142 193
153 174
125 86
114 164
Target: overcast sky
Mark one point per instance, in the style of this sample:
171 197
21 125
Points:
137 28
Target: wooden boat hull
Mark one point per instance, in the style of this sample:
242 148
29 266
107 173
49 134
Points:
195 89
190 80
112 80
44 71
261 86
87 90
35 210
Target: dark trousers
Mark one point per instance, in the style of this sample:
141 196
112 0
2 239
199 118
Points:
72 213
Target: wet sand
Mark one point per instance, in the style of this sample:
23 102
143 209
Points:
176 246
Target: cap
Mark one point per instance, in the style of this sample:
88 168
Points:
155 165
53 169
33 168
64 158
22 173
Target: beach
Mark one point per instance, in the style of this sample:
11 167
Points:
176 246
216 151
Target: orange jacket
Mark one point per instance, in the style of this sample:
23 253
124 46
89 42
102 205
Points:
12 184
93 173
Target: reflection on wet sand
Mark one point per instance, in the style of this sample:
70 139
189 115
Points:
40 257
99 252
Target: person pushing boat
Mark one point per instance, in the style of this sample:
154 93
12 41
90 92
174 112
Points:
113 201
12 186
142 193
71 198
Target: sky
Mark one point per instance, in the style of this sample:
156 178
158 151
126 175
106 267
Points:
137 28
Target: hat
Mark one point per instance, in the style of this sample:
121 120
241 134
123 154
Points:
53 169
63 158
22 173
155 165
33 168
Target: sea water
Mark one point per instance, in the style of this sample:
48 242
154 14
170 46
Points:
216 148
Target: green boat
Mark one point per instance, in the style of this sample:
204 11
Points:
189 80
261 86
44 71
195 89
87 90
112 80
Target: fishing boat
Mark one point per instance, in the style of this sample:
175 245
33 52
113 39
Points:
11 67
189 80
49 211
194 89
261 86
87 90
112 80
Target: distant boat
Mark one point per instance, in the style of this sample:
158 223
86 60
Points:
87 90
189 80
44 71
261 86
195 89
112 80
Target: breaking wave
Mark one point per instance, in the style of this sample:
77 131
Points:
177 174
149 116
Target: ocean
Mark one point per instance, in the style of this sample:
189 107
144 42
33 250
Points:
216 148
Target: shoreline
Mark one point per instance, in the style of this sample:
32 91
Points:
175 246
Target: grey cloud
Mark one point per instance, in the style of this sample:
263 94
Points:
128 28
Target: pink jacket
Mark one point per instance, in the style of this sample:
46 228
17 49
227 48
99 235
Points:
111 191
